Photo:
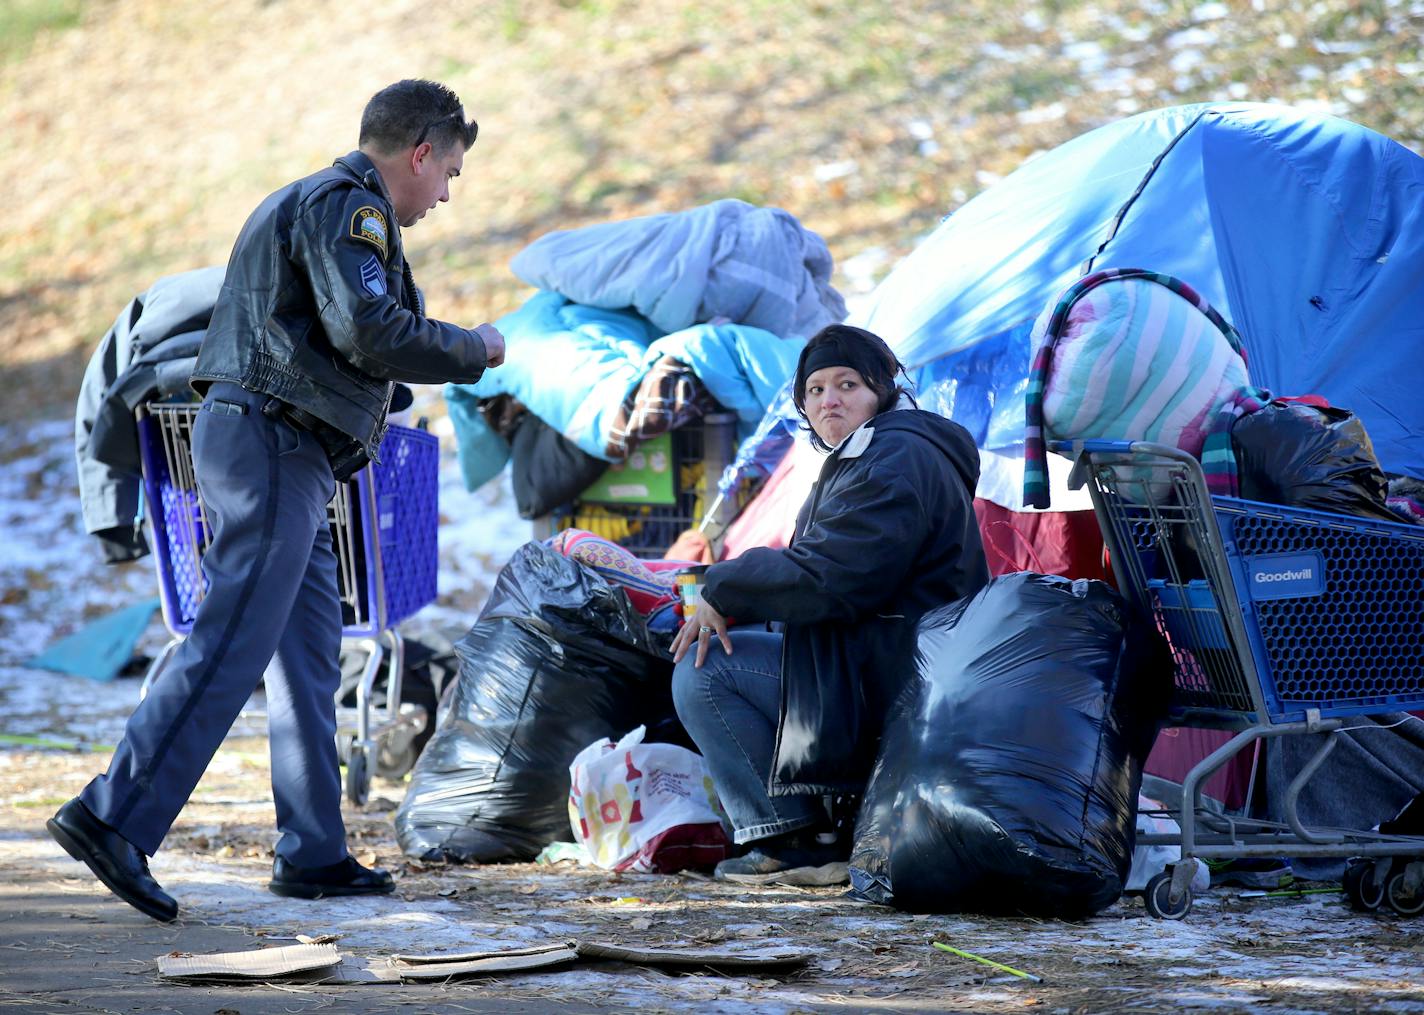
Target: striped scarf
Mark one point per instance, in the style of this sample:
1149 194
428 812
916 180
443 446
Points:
1170 395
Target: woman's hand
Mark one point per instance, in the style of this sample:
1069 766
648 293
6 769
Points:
699 629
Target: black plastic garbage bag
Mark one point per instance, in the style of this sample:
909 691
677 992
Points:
557 660
547 469
1009 767
1302 456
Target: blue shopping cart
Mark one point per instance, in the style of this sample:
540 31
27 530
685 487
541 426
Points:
383 523
1281 621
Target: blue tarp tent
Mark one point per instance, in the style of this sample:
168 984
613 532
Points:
1305 230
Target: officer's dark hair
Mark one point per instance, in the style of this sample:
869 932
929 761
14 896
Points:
410 112
865 352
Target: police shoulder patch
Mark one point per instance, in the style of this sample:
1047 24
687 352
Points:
369 224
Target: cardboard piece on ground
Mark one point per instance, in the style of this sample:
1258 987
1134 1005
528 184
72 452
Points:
416 960
716 958
261 964
101 649
520 960
358 971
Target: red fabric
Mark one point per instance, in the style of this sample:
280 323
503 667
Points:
1318 401
1178 749
770 519
1066 543
682 847
648 588
690 546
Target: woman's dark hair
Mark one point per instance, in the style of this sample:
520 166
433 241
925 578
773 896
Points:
864 352
409 112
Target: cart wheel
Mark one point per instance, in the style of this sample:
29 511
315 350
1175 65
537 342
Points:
358 780
391 765
1360 888
1400 899
1158 898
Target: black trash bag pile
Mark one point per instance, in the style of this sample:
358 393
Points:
1301 456
557 660
1009 767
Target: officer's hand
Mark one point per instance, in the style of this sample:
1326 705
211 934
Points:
494 344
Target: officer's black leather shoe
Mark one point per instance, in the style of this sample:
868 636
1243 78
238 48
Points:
113 859
346 877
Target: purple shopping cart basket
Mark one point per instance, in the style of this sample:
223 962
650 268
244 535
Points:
383 524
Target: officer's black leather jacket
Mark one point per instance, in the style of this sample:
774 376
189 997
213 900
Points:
318 309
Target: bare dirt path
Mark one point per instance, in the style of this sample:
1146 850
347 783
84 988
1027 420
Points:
64 942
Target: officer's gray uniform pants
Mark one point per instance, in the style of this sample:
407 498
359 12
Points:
272 597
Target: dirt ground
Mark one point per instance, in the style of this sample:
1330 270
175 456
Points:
67 946
1300 954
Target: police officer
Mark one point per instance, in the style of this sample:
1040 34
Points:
317 317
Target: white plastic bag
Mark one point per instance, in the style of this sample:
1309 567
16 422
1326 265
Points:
1148 861
645 807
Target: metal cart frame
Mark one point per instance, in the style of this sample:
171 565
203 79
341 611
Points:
710 442
369 516
1247 647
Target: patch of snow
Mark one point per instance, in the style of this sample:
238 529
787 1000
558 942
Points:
1116 79
829 171
923 132
1338 47
1185 62
1211 12
1090 57
994 51
864 271
1192 39
1043 114
53 579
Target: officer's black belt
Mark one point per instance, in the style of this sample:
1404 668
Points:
297 418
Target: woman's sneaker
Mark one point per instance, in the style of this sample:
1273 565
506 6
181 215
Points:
787 860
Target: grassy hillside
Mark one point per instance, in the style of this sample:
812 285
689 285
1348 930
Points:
139 133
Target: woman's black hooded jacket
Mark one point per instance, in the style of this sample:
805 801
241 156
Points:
887 533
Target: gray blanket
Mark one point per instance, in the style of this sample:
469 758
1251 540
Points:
1373 772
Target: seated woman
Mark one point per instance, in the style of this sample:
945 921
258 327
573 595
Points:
887 533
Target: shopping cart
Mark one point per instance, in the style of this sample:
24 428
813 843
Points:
383 528
1281 621
644 511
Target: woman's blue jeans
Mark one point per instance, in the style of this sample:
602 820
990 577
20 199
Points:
731 706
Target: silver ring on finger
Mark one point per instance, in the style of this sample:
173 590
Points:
705 630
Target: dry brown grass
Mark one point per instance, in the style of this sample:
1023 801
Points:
138 140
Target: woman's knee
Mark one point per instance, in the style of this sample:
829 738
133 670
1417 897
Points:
690 690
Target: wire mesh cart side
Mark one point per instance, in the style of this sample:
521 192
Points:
384 524
644 520
1281 622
